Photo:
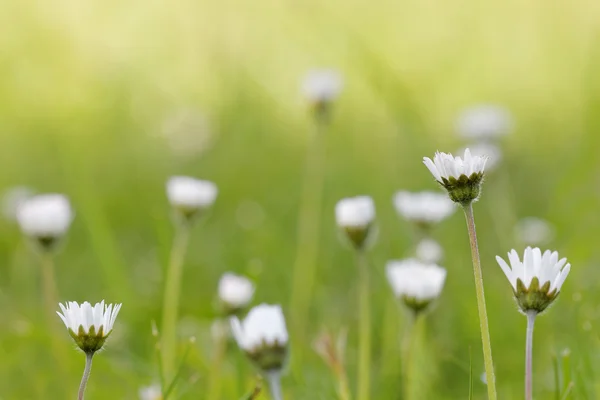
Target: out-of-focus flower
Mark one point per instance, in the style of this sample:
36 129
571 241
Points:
492 152
484 122
188 195
423 208
152 392
89 325
187 132
322 87
355 216
12 199
263 336
235 292
429 251
461 177
534 231
45 218
417 284
537 280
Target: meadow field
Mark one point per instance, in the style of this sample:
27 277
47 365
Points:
104 101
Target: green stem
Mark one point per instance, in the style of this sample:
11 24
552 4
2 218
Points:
483 322
215 372
86 374
50 294
409 355
274 379
309 217
171 300
529 355
364 338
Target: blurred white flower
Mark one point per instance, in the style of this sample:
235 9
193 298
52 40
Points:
187 132
492 152
355 215
414 282
12 199
424 208
322 85
189 195
89 325
534 231
45 218
152 392
355 212
537 280
429 251
461 177
235 292
263 336
484 122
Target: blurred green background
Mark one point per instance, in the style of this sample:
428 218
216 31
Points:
105 100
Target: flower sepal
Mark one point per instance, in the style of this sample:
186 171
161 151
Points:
465 189
89 342
269 357
534 298
416 305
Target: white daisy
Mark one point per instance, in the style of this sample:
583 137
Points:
423 207
152 392
89 325
322 85
45 216
355 215
429 251
189 195
461 177
537 279
263 336
414 282
235 292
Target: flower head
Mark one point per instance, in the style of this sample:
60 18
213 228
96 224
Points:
429 251
152 392
45 218
415 283
461 177
235 292
484 122
423 208
321 87
355 215
263 336
89 325
189 195
537 280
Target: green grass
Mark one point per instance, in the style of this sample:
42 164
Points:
85 90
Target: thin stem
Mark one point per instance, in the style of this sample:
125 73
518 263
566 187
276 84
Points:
343 389
409 356
274 379
86 374
171 300
364 338
483 322
309 217
215 372
529 355
50 294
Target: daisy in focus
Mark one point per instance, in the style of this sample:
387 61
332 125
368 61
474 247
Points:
460 176
537 279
